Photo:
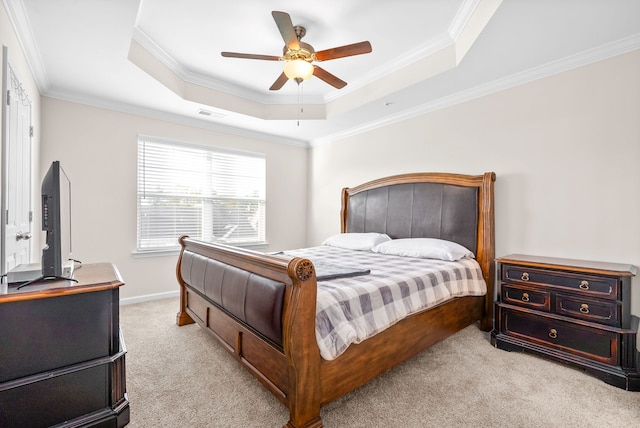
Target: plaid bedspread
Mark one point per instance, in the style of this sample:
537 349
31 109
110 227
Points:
350 310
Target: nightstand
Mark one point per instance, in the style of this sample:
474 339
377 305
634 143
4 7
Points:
573 311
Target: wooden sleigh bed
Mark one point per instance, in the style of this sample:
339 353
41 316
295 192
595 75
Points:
262 307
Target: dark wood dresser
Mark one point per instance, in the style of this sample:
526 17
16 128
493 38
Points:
62 356
573 311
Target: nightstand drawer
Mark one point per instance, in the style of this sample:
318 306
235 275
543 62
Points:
527 297
596 286
596 344
604 312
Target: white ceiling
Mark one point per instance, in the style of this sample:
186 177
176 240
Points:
161 58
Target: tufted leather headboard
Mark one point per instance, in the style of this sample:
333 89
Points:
417 210
454 207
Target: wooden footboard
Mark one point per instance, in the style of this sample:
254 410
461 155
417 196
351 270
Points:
290 369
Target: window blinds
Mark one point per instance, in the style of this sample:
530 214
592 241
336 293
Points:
206 193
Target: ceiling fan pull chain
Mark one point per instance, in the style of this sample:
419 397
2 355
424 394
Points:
300 98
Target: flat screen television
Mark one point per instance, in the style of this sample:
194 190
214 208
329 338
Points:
56 222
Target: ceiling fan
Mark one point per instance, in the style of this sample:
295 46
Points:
299 56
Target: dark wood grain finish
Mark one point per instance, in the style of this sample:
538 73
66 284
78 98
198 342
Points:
90 278
573 311
579 339
600 311
526 296
295 373
62 355
572 265
598 286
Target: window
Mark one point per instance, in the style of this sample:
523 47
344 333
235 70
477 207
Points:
207 193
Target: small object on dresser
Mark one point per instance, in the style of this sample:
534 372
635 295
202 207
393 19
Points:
573 311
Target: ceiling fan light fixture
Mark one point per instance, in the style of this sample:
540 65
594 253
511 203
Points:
298 69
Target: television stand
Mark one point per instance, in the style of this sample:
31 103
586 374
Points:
63 356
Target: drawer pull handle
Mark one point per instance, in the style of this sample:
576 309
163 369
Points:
525 276
553 333
584 308
584 285
525 297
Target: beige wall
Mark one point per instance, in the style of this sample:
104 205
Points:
21 67
98 150
566 151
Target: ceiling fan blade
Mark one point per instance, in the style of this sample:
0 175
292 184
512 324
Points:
283 21
342 51
323 74
279 83
250 56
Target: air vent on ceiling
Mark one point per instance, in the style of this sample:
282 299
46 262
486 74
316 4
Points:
210 113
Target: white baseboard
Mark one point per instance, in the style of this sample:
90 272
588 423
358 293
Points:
149 297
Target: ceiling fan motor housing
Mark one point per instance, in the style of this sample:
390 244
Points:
306 52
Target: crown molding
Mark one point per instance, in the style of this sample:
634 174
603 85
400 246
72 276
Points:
187 75
19 20
22 28
601 53
388 69
434 56
582 59
427 49
146 42
174 118
465 12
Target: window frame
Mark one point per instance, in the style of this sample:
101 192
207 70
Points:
206 200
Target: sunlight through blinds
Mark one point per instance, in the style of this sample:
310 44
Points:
206 193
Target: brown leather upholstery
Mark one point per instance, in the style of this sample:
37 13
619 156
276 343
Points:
401 211
252 299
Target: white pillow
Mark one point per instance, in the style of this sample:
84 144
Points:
425 248
356 241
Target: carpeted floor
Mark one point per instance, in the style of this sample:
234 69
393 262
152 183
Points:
181 377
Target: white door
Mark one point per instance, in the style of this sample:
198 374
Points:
16 170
